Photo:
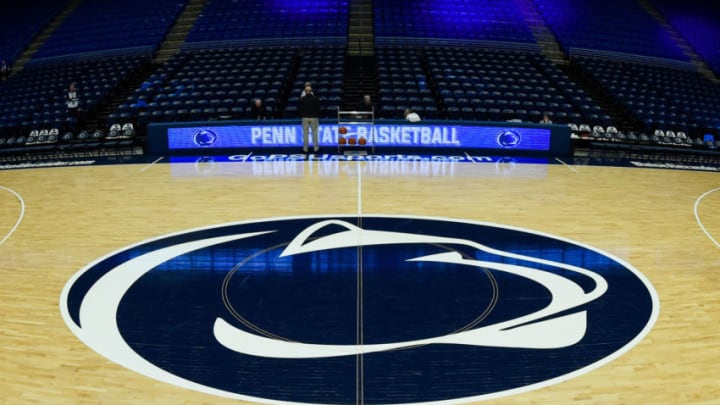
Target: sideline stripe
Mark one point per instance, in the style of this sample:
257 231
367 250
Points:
568 166
20 218
697 216
151 164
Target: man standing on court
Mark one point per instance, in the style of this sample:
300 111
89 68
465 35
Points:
309 110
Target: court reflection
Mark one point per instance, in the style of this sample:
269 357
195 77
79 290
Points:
351 166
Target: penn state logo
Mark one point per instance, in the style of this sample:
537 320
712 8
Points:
370 309
205 165
508 138
204 137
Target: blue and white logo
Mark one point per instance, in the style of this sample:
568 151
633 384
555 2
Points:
508 138
371 309
204 137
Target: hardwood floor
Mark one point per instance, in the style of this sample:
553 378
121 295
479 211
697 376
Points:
76 215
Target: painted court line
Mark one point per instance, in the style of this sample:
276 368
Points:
151 164
574 170
359 359
20 217
359 189
697 216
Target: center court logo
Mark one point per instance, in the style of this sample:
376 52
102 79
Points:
327 310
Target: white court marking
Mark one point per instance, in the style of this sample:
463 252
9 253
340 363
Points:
568 166
151 164
20 217
697 216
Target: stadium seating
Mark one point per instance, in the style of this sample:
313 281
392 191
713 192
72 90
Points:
459 60
225 20
222 83
19 27
323 67
699 22
608 25
494 20
660 97
402 83
102 25
211 84
480 84
34 99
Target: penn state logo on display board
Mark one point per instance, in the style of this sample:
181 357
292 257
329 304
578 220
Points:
204 137
370 309
508 138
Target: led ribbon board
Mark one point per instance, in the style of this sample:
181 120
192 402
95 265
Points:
383 135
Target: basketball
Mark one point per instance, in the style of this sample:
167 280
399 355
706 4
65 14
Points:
351 141
342 130
342 141
362 141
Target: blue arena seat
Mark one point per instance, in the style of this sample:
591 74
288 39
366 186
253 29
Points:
663 97
611 25
698 22
20 22
102 25
35 97
224 20
494 20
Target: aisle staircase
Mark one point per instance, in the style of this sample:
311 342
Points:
542 33
361 37
179 32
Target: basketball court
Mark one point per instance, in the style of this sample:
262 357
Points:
56 221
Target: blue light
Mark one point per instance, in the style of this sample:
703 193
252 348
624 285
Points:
462 19
390 135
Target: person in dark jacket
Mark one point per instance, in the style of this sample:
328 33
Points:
309 110
366 104
257 110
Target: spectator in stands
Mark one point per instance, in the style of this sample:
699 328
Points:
4 70
309 110
73 102
258 111
366 104
545 119
411 116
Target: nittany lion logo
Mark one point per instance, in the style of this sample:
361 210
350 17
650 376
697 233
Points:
508 138
204 137
349 310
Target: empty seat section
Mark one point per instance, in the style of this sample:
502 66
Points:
492 20
22 21
100 25
699 22
609 25
402 83
225 20
497 85
661 97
